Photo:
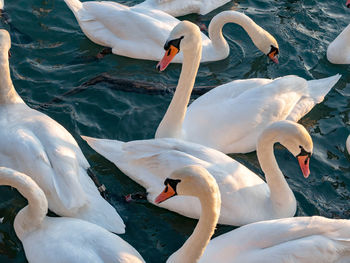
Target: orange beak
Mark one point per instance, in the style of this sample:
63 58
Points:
273 56
168 57
348 4
166 194
304 165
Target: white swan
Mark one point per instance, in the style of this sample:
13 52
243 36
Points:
61 239
1 4
38 146
288 240
184 7
338 51
139 32
347 144
246 198
230 117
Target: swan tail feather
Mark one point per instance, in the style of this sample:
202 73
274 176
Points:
316 92
74 5
319 88
110 149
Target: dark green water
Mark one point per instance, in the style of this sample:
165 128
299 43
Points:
51 56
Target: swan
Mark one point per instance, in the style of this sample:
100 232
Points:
246 198
139 32
287 240
1 4
230 117
61 239
347 144
38 146
184 7
338 51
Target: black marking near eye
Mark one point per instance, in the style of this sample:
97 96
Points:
304 153
169 51
273 49
174 42
172 182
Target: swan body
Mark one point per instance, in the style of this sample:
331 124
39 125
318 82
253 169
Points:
347 144
140 32
245 196
61 239
287 240
184 7
338 51
35 144
230 117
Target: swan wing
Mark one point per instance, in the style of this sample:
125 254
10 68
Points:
134 32
244 116
73 240
289 240
54 170
150 162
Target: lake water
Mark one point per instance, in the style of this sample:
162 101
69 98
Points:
51 56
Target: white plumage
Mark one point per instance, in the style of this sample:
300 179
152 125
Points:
140 32
38 146
61 239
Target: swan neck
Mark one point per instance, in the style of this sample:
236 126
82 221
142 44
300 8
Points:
218 22
8 93
171 124
280 192
31 216
195 245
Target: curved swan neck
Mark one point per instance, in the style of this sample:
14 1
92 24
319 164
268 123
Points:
280 192
171 124
215 28
33 214
8 93
195 245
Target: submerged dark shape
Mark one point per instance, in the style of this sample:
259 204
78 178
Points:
125 85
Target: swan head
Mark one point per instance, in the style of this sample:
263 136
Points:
190 181
348 4
5 42
295 138
185 36
267 44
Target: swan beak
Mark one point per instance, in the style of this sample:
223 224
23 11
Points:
304 164
348 4
166 194
273 56
168 57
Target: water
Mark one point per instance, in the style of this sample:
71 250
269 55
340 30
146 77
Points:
51 56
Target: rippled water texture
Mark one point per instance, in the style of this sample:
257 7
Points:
51 56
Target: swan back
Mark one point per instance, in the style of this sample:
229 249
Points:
31 216
338 51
